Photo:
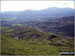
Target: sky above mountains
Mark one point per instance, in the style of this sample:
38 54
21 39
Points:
34 5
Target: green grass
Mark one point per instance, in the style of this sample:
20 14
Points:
10 46
3 28
17 24
34 46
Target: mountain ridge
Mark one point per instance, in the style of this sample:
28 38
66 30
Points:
38 14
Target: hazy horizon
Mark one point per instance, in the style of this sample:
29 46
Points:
34 5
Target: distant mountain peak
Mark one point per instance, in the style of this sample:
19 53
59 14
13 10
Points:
52 12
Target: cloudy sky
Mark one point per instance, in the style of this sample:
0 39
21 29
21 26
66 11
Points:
34 5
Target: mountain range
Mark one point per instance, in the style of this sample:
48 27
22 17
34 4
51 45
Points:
37 32
36 15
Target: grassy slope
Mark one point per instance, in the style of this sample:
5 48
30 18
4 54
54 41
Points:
34 46
12 46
